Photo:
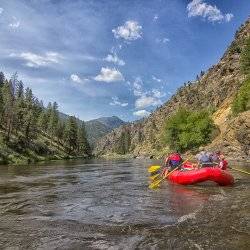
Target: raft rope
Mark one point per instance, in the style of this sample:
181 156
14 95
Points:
242 171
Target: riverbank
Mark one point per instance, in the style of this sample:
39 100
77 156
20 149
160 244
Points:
41 149
31 159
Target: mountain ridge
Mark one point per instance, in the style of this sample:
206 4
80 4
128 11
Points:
96 128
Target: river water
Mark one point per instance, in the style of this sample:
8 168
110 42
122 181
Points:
107 205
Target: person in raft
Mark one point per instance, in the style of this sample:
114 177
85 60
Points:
204 159
208 159
223 163
172 161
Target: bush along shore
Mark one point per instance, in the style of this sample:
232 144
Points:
30 132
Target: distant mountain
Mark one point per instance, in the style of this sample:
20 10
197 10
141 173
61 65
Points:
97 128
109 122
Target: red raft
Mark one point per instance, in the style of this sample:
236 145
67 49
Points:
187 177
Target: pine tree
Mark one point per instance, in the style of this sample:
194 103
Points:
1 107
43 120
8 108
70 134
14 82
29 124
19 107
83 144
2 79
124 143
53 120
60 131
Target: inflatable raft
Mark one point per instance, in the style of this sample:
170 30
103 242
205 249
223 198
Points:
187 176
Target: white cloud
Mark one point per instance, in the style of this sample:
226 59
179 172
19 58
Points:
115 59
34 60
145 98
1 10
158 94
162 40
165 39
75 78
15 24
147 101
130 31
109 75
228 17
116 102
156 17
156 79
207 11
137 87
141 113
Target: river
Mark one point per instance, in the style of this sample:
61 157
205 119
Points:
107 205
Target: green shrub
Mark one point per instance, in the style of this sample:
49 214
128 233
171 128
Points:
245 58
241 102
188 130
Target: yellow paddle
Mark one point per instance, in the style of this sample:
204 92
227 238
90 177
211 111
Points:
156 183
153 177
153 169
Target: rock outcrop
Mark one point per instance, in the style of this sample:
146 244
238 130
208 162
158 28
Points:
215 88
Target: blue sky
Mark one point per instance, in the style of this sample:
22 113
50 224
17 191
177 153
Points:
113 57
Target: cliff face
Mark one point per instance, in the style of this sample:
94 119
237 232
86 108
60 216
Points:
216 89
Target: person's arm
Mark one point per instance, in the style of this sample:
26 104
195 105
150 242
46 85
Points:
166 162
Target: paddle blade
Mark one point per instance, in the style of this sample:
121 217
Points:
155 184
153 169
153 177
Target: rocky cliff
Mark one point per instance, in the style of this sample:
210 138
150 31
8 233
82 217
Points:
215 88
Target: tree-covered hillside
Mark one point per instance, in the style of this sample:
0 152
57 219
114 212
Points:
31 132
99 127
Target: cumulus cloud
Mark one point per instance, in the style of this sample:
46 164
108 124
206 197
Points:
1 10
141 113
78 79
145 98
15 24
207 11
130 31
116 102
35 61
147 101
114 59
109 75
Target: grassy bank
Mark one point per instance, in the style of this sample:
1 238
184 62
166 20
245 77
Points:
15 152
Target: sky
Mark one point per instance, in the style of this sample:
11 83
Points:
113 57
